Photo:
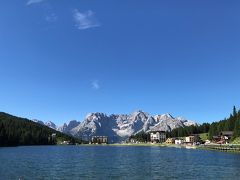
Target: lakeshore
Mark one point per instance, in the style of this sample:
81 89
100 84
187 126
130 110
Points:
216 147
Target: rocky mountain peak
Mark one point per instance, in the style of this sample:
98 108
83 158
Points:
72 123
95 116
67 127
51 124
139 115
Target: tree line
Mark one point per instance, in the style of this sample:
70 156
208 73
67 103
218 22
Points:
15 131
141 137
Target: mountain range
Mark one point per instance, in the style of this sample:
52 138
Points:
119 127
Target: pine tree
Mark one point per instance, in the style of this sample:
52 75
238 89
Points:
234 111
237 126
2 135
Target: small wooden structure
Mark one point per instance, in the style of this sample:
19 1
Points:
170 140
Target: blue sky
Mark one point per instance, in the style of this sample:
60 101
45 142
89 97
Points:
60 60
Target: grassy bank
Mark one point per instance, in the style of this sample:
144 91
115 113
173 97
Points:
236 141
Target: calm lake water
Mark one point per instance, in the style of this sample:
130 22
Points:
109 162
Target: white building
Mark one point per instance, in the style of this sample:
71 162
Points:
158 136
179 141
190 139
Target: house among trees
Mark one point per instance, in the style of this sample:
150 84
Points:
99 140
216 139
224 137
227 135
158 136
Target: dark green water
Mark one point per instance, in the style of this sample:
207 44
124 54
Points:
106 162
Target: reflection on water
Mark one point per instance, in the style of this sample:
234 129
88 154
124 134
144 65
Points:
106 162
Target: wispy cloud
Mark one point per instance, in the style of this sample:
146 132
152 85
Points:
34 1
51 18
85 20
47 9
95 85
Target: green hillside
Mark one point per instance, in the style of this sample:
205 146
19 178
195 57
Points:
16 131
204 136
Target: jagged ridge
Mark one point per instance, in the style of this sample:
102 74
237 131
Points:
120 127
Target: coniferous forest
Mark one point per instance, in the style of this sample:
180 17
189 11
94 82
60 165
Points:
15 131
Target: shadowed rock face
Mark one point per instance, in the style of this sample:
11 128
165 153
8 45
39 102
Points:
67 127
119 127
